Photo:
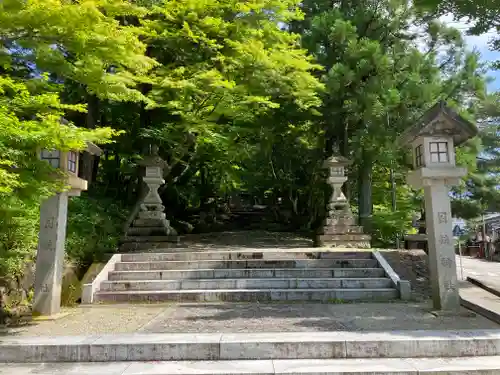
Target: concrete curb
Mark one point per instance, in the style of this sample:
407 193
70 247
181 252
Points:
89 290
251 346
483 286
491 315
481 304
403 286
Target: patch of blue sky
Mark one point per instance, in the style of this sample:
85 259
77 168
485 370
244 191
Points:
479 43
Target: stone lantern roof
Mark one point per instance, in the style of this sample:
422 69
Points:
336 160
153 161
93 149
438 121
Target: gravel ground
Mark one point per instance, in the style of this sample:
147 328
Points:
307 317
96 320
248 317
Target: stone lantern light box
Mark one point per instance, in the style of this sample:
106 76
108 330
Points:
68 162
433 140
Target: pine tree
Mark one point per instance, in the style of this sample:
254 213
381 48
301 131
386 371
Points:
480 189
381 74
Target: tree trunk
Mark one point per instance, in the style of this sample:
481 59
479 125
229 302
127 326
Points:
205 188
95 167
87 162
344 151
365 191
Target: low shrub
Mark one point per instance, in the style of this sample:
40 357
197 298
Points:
19 226
94 228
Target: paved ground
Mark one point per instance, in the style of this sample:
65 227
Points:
475 297
244 239
248 317
480 269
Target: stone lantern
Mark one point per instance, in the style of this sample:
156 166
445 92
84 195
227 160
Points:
433 140
53 219
149 224
339 228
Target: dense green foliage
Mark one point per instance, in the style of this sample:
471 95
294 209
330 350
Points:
40 51
93 227
241 97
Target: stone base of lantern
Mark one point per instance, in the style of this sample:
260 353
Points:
340 230
151 222
150 226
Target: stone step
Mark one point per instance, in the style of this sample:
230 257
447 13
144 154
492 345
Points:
359 254
372 366
155 239
250 295
355 237
243 255
315 283
247 273
251 346
147 231
255 263
148 246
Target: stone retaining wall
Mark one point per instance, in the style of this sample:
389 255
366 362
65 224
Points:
16 293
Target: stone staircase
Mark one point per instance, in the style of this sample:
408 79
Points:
260 275
253 275
308 353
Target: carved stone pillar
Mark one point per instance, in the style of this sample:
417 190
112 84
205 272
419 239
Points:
50 255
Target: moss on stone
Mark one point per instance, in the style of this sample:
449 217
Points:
71 291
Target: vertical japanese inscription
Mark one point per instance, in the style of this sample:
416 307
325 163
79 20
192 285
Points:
49 223
446 262
444 239
50 246
449 286
442 217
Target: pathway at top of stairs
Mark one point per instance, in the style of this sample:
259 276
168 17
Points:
262 275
